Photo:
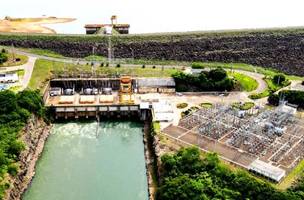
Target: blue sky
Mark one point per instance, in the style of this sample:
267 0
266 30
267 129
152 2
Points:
165 15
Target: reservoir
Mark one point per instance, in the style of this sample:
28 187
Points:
91 161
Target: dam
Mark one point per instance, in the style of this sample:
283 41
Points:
79 164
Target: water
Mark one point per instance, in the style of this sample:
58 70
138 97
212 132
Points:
77 165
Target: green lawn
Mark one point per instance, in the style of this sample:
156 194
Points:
43 52
11 62
271 87
43 70
247 83
243 106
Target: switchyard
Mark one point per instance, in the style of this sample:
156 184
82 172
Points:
269 142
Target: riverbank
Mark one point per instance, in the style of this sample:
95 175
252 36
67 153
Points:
34 136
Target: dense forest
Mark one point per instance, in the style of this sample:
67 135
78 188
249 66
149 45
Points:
187 176
15 110
213 80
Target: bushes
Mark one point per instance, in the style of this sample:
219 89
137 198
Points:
243 106
185 176
294 97
291 96
214 80
15 110
30 100
279 79
197 65
181 105
189 111
274 99
3 58
217 74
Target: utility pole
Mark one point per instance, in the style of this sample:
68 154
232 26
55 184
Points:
109 49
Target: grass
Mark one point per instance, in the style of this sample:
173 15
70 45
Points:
247 83
21 72
206 105
15 88
42 52
271 87
43 70
243 106
96 58
291 177
11 62
250 68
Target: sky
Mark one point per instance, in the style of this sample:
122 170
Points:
148 16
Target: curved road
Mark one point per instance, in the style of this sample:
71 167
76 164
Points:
28 70
262 85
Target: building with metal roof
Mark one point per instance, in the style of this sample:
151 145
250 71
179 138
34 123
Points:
267 170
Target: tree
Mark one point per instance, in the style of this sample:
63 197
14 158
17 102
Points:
279 79
30 100
3 58
8 102
274 99
217 74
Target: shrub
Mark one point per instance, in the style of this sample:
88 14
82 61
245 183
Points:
181 105
187 82
189 111
279 79
107 64
206 105
243 106
197 65
294 97
13 169
3 51
3 58
217 74
273 99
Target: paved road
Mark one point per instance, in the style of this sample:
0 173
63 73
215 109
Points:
27 67
262 85
28 70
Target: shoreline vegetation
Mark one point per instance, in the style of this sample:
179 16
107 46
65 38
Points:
15 111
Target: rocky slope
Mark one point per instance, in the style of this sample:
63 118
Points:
281 49
34 135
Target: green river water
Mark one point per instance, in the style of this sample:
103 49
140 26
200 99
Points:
78 164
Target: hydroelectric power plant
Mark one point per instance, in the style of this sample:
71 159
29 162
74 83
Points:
93 156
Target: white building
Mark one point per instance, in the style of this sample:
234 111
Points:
9 78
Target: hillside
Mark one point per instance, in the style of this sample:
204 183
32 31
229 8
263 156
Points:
281 49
